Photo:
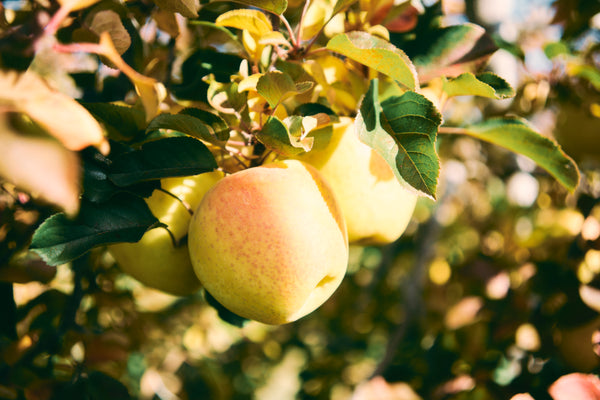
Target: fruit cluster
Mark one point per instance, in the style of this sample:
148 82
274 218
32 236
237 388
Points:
270 243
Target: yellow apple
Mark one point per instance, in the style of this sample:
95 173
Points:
376 207
269 243
155 260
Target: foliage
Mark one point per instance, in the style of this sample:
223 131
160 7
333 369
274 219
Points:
489 293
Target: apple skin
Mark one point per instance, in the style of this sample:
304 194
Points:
269 243
154 260
376 207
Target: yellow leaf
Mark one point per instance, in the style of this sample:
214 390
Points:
274 39
254 21
75 5
41 167
60 115
249 84
316 16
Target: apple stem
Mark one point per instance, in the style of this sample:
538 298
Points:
183 202
173 239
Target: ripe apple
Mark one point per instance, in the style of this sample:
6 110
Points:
269 243
376 207
155 260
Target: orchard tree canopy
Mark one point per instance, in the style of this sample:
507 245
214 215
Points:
277 199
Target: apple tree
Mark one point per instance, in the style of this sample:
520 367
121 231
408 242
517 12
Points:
442 155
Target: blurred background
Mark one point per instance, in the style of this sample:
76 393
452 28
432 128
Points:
492 291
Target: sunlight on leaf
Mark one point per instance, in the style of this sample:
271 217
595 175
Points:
75 5
57 113
378 54
276 136
485 85
403 130
517 135
40 166
275 86
274 6
254 21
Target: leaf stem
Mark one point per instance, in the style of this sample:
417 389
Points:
293 37
451 130
301 22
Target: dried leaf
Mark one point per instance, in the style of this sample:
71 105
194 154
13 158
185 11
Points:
187 8
74 5
109 21
60 115
42 167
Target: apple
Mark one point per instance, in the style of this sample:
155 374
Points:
269 243
155 260
376 207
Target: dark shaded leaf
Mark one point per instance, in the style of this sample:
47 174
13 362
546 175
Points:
181 123
102 386
163 158
216 124
224 313
124 219
122 122
449 51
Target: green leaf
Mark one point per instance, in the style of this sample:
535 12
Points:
403 130
556 49
378 54
97 187
341 5
163 158
276 136
121 122
122 219
187 8
218 38
517 135
486 85
185 123
215 123
586 72
275 86
274 6
451 50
